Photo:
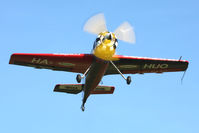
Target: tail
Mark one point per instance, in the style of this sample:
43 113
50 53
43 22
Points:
77 88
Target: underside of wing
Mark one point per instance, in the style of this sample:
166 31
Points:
140 65
61 62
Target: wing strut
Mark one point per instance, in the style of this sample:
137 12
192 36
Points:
128 79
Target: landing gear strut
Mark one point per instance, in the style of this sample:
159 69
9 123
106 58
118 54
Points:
79 77
128 79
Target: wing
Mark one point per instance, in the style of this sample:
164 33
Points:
140 65
61 62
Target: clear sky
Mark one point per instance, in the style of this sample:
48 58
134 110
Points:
153 103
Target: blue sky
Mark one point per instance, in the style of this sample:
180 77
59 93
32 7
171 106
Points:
153 103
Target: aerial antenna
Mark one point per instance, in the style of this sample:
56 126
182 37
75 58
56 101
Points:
183 77
180 58
183 73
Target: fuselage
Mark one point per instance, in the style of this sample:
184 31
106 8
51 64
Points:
103 51
94 76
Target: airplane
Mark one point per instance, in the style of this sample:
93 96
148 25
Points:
102 61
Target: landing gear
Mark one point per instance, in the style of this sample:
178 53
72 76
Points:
128 79
78 78
83 108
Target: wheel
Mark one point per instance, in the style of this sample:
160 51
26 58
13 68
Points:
128 80
78 78
83 108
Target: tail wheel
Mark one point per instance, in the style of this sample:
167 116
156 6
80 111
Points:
83 108
128 80
78 78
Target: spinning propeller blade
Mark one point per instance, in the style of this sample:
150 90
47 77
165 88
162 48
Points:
125 33
96 24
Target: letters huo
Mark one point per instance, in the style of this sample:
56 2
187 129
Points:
155 66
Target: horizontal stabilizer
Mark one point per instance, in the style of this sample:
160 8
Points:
69 88
77 88
103 90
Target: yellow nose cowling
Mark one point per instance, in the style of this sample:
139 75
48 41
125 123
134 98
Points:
105 51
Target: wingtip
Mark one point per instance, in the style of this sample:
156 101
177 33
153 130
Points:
11 61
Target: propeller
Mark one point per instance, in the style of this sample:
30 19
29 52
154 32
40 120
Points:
97 24
125 33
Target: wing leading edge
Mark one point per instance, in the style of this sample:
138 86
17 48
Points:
140 65
61 62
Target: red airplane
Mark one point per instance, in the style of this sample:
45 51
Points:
102 61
